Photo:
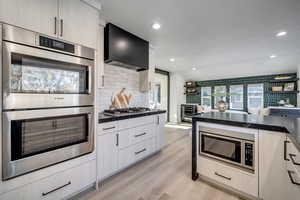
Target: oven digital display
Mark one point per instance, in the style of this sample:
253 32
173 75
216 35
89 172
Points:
58 45
55 44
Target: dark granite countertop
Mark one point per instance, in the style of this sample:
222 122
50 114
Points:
106 118
271 123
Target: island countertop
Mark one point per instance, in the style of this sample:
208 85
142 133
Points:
291 126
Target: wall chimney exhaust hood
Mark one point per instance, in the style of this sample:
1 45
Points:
124 49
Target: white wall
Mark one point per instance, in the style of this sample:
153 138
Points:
177 96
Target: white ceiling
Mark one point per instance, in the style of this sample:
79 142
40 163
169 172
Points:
221 38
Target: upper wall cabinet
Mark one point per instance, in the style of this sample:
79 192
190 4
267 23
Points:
78 22
36 15
70 20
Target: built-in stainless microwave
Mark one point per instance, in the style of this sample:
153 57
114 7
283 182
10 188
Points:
41 72
228 146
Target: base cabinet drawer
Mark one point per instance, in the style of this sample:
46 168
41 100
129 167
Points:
136 152
142 133
57 186
64 184
229 176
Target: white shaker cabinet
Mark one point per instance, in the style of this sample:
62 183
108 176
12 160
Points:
273 180
78 22
274 164
292 170
70 20
125 142
100 56
36 15
108 154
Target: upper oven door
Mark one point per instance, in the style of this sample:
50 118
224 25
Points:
37 78
38 138
221 147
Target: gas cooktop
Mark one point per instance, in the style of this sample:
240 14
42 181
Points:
126 110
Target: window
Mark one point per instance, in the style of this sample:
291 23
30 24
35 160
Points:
157 93
236 97
220 93
206 96
255 96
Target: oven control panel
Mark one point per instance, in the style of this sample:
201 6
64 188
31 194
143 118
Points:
57 45
249 154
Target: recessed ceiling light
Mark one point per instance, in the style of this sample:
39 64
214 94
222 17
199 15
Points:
194 68
273 56
156 26
172 59
281 33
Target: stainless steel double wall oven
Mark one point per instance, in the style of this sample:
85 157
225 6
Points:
48 96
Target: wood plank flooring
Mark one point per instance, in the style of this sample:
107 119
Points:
164 176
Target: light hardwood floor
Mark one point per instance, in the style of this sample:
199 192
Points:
164 176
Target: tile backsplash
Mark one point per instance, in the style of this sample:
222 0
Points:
117 78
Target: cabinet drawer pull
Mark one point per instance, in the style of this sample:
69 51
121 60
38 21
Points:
285 150
60 187
108 128
136 153
140 135
222 176
291 177
293 160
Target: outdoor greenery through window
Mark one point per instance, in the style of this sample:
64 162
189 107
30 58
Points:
236 97
255 96
219 93
206 96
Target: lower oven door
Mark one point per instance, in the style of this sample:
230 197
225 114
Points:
39 138
221 147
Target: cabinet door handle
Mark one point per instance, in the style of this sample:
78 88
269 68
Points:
55 25
58 188
293 160
222 176
138 152
291 177
61 27
117 143
285 150
102 80
108 128
140 135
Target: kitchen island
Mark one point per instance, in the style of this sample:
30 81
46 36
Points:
276 145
